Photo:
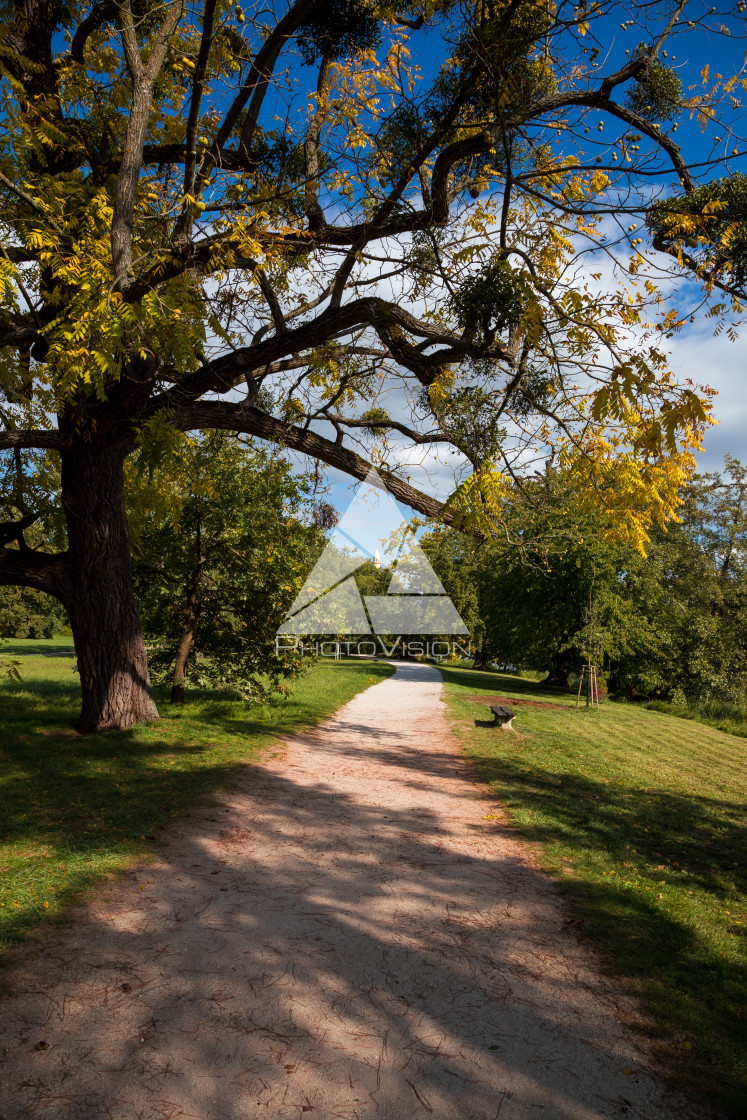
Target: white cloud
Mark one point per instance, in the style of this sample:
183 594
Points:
722 364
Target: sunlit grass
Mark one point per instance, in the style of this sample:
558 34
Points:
75 808
722 714
641 818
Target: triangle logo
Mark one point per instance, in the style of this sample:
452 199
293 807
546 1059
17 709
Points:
372 529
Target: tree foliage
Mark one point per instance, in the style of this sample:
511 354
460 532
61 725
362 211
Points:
29 614
558 594
656 92
224 542
708 228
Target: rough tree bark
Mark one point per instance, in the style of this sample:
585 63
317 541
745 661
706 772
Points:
100 600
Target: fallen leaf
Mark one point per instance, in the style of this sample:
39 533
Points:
629 1069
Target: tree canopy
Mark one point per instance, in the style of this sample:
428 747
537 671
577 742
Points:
356 228
669 624
223 546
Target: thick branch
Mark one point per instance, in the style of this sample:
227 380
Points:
93 21
193 120
39 570
231 160
388 320
238 418
51 440
143 78
314 212
14 530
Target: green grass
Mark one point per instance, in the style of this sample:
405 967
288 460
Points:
75 808
641 818
723 714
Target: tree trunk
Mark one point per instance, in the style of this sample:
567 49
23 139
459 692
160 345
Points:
100 601
187 640
558 675
190 621
180 668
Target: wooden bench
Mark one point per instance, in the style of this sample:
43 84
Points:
503 716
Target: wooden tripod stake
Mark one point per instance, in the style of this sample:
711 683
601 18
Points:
589 673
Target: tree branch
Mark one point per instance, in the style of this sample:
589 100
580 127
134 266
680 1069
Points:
40 570
193 120
143 78
314 212
252 421
261 69
51 440
388 320
93 21
14 530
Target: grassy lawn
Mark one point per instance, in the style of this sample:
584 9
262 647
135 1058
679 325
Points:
75 808
714 713
640 818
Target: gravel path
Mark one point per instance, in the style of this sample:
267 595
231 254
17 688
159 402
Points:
352 934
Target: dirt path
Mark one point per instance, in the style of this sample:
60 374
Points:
349 937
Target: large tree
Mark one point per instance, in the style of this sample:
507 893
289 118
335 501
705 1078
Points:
272 221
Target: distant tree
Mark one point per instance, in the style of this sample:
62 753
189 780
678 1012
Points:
554 591
29 495
30 614
690 597
324 516
464 567
529 594
224 540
